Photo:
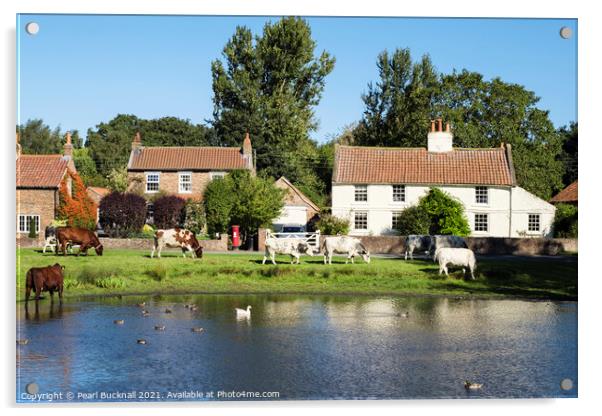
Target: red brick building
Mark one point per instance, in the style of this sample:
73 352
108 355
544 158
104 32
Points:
38 180
183 171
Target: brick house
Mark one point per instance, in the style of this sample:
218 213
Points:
371 186
38 181
298 208
183 171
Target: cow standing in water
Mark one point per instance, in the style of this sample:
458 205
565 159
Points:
85 238
177 238
44 279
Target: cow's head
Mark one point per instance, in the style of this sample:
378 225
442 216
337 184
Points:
56 265
305 248
196 246
366 256
199 252
98 249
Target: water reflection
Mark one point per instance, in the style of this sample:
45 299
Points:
305 347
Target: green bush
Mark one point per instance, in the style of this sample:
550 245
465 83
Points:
329 224
446 213
565 221
195 219
414 220
32 228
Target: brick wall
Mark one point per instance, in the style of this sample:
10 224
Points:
40 202
169 182
147 243
480 245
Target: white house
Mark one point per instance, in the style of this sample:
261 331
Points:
372 185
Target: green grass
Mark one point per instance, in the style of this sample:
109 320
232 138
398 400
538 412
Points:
134 272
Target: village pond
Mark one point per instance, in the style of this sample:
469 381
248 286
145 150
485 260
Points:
294 347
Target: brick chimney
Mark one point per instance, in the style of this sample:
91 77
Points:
18 146
440 141
137 142
68 147
247 152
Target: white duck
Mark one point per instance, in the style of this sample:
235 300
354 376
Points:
243 313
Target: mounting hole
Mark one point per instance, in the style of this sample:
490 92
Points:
566 32
566 384
32 28
32 388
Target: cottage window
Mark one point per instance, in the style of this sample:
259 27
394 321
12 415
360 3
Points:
152 182
185 182
217 175
24 220
482 195
481 222
361 193
360 220
533 223
399 193
395 217
150 213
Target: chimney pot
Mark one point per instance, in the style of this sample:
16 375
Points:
137 142
68 137
447 128
432 125
439 124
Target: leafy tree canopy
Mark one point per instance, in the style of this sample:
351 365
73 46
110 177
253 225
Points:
38 138
242 199
445 212
268 85
569 156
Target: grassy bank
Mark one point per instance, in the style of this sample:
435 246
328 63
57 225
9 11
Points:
133 272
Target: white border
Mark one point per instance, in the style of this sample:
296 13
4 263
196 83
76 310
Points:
590 33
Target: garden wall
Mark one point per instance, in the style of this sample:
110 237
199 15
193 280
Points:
137 243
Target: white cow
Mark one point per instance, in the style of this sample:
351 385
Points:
291 246
443 241
177 237
463 257
344 245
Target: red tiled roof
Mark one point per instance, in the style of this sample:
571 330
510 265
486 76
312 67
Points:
418 166
40 171
99 190
182 158
284 183
568 194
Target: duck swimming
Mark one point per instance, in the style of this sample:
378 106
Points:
119 321
141 341
160 327
197 329
472 386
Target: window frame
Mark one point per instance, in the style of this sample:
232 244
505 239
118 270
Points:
395 214
538 216
217 175
147 182
483 215
480 194
402 193
364 191
355 220
180 182
26 217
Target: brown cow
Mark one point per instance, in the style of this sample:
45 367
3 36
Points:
85 239
49 278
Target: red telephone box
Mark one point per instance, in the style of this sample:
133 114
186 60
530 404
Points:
235 237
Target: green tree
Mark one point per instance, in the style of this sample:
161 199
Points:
268 86
566 221
86 168
445 212
218 201
195 219
244 200
328 224
414 220
569 156
38 138
117 180
399 106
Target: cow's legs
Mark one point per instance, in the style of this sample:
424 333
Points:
38 293
153 250
160 249
273 257
51 295
184 252
61 293
27 293
265 257
329 258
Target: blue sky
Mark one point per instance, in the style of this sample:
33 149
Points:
80 70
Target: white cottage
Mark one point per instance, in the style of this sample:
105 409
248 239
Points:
372 185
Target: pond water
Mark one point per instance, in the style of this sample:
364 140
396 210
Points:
300 347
